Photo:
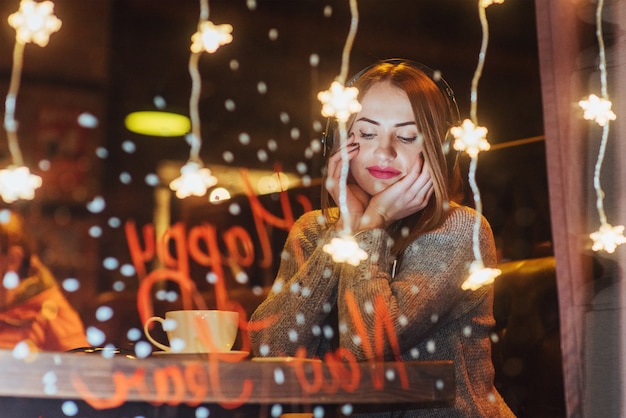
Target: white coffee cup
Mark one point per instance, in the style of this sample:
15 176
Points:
196 331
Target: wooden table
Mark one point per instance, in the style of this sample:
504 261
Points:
105 383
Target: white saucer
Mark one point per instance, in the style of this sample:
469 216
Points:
235 354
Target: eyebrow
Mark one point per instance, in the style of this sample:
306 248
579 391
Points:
397 125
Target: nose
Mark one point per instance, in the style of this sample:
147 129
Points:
385 149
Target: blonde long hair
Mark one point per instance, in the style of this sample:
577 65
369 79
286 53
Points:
434 115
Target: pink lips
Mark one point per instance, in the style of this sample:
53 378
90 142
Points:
383 173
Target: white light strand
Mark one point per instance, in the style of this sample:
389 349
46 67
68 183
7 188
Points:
471 138
195 179
607 237
340 102
33 22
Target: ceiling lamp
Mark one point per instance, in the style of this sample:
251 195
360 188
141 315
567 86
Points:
157 123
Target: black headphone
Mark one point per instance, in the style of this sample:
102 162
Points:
435 76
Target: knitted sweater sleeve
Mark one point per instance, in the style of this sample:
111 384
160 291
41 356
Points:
303 294
381 315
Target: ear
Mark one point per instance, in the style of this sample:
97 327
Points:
15 256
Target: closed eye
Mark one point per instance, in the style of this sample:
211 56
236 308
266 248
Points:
366 135
407 140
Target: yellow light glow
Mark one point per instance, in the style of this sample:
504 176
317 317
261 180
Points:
339 101
18 183
154 123
487 3
219 194
345 250
607 238
597 109
480 276
34 22
193 181
470 138
210 37
273 184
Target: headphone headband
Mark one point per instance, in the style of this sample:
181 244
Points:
435 76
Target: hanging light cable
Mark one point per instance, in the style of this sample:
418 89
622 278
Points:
33 22
195 179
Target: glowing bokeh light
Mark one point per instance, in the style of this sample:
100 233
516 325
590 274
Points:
597 109
18 183
487 3
470 138
607 238
219 194
339 101
345 250
193 181
210 37
479 276
34 22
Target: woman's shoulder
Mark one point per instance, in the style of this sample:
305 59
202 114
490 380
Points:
460 218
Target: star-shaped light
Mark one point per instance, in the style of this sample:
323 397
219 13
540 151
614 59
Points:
193 181
339 101
210 37
479 276
34 22
345 250
18 183
597 109
470 138
607 238
487 3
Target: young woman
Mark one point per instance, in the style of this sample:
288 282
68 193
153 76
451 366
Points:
419 244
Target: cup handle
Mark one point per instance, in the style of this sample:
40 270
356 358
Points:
146 331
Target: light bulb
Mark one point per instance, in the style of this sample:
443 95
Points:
193 181
18 183
210 37
339 101
345 250
470 138
34 22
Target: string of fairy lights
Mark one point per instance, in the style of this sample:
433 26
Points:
33 23
598 109
195 179
472 139
340 102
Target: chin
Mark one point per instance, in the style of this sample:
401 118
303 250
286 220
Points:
377 187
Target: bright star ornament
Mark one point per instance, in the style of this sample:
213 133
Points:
597 109
210 37
345 250
470 138
607 238
193 181
18 183
339 101
34 22
480 276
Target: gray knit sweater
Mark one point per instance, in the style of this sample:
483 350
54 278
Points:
434 319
